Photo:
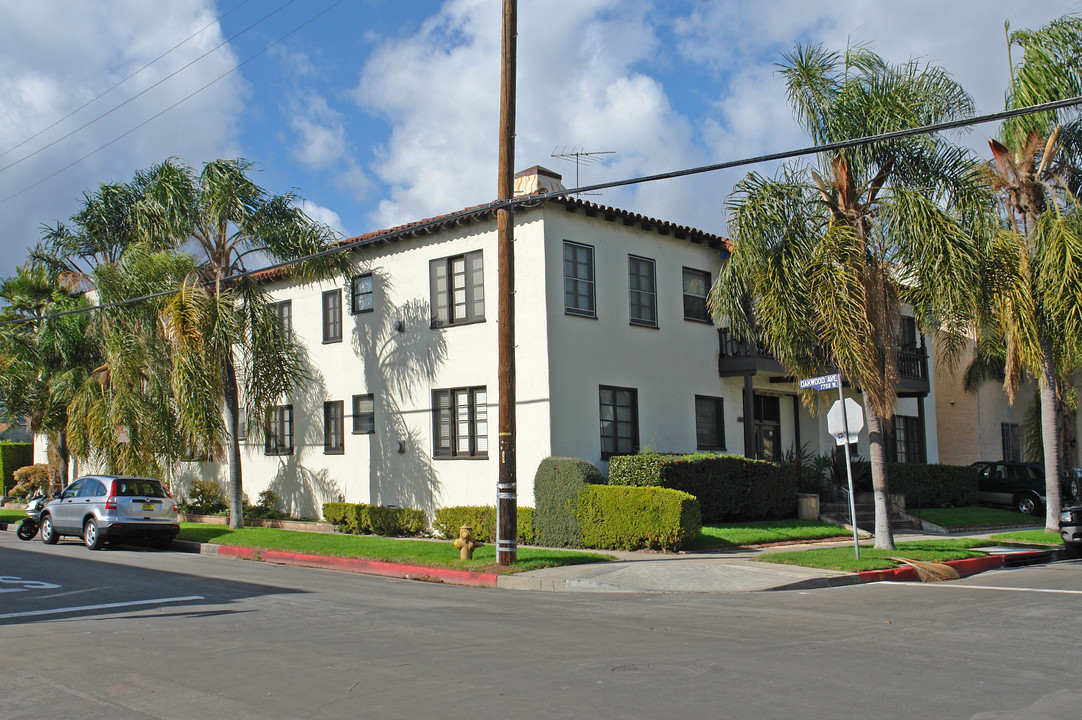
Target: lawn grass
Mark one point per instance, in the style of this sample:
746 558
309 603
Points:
764 532
1030 537
433 553
843 560
9 515
973 517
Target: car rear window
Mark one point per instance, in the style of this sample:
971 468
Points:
143 488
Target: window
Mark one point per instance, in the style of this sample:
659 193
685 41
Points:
709 423
458 289
1012 441
696 286
333 428
280 430
768 427
360 294
460 423
642 291
284 312
579 280
906 445
619 421
332 316
364 415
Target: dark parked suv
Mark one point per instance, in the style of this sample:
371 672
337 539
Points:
1020 485
102 507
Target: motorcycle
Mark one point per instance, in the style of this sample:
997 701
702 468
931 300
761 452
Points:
28 528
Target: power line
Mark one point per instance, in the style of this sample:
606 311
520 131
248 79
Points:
129 77
145 91
179 102
534 199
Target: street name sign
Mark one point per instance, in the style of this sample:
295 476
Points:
823 382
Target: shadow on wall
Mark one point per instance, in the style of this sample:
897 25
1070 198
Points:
400 354
301 490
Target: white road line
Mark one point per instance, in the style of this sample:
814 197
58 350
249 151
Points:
103 606
982 587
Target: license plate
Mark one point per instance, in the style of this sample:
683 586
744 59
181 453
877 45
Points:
147 506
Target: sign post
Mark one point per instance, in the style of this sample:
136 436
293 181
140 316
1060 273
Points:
839 427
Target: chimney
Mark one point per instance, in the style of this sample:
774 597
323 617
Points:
537 180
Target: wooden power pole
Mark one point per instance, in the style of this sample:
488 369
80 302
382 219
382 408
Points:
507 485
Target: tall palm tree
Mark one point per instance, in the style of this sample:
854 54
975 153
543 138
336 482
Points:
824 258
1034 267
230 350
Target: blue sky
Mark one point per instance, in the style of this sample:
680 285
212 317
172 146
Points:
380 112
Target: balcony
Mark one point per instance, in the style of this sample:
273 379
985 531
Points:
736 358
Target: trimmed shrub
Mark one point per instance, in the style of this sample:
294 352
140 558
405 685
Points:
932 486
30 480
729 487
632 518
13 456
335 514
556 488
482 518
362 519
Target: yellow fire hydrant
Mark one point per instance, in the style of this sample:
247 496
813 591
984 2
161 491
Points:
465 542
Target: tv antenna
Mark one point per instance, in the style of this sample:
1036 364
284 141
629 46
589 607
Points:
580 157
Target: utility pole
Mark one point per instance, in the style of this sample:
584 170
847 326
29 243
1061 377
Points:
507 485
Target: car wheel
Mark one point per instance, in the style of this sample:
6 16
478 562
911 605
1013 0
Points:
91 536
1027 504
27 530
48 532
1074 550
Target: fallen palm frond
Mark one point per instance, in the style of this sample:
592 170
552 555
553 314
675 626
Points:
929 572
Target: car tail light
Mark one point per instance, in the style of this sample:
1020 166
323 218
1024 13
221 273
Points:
110 502
175 509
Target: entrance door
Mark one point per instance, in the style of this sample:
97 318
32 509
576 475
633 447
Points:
767 427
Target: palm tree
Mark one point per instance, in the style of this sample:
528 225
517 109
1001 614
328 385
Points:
824 259
1034 266
230 351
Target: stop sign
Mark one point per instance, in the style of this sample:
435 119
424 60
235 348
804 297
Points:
836 422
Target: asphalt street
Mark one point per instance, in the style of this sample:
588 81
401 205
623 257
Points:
130 633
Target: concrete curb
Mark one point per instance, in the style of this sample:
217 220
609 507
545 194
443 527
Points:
369 567
965 567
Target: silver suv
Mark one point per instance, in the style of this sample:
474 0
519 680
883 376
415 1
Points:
103 507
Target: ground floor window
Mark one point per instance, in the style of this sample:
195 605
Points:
1012 441
906 445
364 414
333 427
279 430
709 423
460 423
619 410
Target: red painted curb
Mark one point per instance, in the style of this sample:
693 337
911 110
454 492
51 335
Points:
965 568
369 567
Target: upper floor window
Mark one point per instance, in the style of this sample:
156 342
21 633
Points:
364 414
333 428
709 423
642 291
460 423
579 280
619 421
284 312
279 440
696 286
332 316
458 289
360 294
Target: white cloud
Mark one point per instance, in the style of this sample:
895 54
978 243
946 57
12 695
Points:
323 215
58 55
322 141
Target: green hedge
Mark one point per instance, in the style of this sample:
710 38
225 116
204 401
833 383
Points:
632 518
556 488
13 455
362 519
729 487
482 518
929 486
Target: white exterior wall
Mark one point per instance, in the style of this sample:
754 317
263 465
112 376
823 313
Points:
667 365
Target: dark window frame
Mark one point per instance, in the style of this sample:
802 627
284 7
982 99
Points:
356 295
590 282
1010 437
766 424
696 299
364 421
647 297
283 310
718 439
446 308
334 427
905 442
449 446
279 429
332 316
616 436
